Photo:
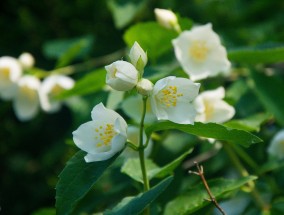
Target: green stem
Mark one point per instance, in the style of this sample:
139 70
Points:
254 192
141 152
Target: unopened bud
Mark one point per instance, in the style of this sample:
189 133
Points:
26 60
167 19
138 57
144 87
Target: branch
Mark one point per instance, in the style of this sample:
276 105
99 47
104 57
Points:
212 198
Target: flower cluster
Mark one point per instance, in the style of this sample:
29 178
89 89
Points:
26 91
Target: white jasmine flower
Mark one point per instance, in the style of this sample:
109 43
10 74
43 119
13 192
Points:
144 87
171 99
121 75
26 60
10 72
276 147
133 108
133 133
167 19
50 88
211 107
200 53
26 101
138 57
102 137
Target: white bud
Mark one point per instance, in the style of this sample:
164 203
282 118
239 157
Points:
138 57
26 60
121 75
144 87
167 19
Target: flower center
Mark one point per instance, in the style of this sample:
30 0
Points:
198 50
5 73
104 135
209 110
57 89
169 96
28 92
113 74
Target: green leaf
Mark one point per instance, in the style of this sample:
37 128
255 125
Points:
90 83
251 123
132 168
153 38
68 48
132 165
135 205
257 55
124 11
269 90
45 211
76 179
195 198
209 130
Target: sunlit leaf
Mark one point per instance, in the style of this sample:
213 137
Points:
251 123
76 179
209 130
195 198
132 168
135 205
124 11
153 38
257 55
269 90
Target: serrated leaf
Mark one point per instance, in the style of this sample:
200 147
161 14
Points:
257 55
124 11
209 130
132 168
195 198
76 179
269 90
251 123
135 205
90 83
57 48
153 38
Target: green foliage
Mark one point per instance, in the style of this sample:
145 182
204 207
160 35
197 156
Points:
131 166
45 211
124 11
90 83
76 179
135 205
157 40
257 55
195 197
269 90
209 130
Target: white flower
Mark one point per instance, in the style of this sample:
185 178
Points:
200 53
26 60
171 99
138 57
26 101
50 88
133 137
10 72
102 137
121 75
167 19
144 87
133 107
276 147
211 107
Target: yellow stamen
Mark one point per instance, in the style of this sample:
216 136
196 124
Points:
198 50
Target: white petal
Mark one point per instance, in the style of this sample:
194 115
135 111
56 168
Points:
222 112
182 114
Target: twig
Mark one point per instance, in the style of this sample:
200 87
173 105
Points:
212 198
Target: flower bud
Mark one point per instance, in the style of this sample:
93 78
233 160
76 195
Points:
26 60
144 87
121 75
138 57
167 19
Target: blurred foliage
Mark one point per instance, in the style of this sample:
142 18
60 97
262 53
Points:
32 154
